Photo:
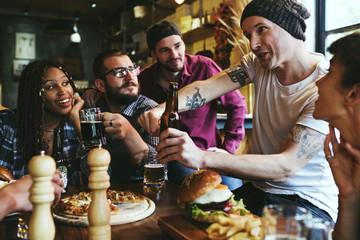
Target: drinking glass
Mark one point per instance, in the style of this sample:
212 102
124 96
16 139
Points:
92 128
154 171
23 225
318 229
284 222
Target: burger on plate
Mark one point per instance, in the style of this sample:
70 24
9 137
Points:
205 199
5 176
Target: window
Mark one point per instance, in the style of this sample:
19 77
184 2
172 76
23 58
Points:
335 19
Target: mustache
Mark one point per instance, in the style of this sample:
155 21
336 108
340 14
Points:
172 59
129 83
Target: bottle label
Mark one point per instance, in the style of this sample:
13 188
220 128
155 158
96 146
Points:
63 169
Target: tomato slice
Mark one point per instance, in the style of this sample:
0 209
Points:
221 186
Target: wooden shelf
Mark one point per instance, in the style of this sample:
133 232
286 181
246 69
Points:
162 10
198 34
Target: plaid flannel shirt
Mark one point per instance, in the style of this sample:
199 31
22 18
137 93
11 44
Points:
121 168
10 153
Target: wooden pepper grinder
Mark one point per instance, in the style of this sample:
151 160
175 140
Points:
42 169
99 210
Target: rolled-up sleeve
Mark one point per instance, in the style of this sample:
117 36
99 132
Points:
235 105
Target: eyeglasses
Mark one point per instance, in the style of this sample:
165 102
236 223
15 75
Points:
121 72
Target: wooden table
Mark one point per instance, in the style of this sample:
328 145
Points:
144 229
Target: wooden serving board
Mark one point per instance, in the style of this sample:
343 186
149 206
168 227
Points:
179 227
128 212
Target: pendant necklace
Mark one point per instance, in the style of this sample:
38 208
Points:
47 140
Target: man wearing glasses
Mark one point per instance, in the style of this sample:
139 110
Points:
116 80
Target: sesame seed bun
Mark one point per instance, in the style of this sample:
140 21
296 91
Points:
197 184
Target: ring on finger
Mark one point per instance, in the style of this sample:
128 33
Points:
328 156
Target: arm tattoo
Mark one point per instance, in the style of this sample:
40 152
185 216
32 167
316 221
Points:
237 74
196 101
310 141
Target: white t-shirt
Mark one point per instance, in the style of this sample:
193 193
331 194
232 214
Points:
277 109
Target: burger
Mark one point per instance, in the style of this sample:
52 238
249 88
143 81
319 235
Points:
5 176
205 199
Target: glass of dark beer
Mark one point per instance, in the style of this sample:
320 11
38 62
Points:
92 128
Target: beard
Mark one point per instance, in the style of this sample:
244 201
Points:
124 99
172 69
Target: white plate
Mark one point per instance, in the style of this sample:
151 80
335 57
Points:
128 212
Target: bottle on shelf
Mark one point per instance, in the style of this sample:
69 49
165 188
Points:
171 118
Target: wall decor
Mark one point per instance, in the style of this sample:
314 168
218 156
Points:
25 46
18 67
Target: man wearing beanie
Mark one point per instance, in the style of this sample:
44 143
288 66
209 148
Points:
167 48
287 164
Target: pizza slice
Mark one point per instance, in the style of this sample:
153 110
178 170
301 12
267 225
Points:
78 204
117 197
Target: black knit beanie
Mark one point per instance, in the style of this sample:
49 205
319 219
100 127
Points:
159 31
288 14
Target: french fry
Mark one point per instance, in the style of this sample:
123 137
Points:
213 227
212 237
233 230
217 229
240 236
236 227
252 223
223 220
255 231
240 222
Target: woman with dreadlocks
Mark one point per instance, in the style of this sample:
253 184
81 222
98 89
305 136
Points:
47 103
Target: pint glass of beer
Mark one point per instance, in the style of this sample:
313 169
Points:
92 128
154 171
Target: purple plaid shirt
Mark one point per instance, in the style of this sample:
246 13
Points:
200 124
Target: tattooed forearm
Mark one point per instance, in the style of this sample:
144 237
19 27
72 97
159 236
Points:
196 101
311 141
237 74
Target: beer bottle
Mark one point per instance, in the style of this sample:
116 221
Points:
171 117
58 156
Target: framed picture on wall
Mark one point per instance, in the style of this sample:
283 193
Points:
25 46
18 67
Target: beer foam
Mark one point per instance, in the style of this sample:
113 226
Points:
157 165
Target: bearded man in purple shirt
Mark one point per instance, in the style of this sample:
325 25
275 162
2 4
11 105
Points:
167 48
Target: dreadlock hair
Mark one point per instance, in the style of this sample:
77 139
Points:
30 106
98 65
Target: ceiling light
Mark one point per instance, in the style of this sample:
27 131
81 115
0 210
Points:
93 5
179 1
26 11
75 37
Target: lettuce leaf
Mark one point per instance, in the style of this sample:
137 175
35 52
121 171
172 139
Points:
194 211
238 205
